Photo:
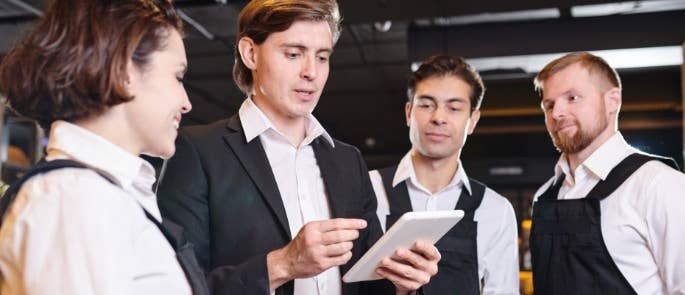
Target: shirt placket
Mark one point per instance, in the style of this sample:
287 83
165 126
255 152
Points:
308 203
432 203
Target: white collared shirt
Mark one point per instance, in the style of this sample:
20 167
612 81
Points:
642 221
299 182
497 239
70 231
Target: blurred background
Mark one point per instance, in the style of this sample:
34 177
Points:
363 103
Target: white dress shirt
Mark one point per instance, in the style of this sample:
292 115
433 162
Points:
642 221
299 182
70 231
497 239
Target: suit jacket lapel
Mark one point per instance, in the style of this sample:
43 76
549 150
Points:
253 158
330 173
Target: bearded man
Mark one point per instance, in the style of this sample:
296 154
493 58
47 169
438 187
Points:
609 221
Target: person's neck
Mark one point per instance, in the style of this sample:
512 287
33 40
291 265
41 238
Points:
112 128
434 173
293 128
575 159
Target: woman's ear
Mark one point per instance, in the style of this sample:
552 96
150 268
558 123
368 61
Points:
132 78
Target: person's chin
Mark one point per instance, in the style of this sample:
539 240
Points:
300 112
307 108
435 152
164 153
168 153
565 137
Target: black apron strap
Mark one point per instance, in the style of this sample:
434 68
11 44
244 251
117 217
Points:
472 202
398 196
185 254
552 192
468 202
622 171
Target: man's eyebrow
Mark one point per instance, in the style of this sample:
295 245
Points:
426 96
302 47
294 45
457 99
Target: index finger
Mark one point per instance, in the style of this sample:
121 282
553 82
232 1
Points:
426 249
341 224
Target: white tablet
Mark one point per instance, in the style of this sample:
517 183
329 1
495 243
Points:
412 226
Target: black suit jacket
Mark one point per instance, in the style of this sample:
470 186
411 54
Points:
221 189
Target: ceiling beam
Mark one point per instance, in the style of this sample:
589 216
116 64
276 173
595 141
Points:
548 36
374 10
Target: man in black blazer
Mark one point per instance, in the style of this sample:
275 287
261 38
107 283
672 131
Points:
270 200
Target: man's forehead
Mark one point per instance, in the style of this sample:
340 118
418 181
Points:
306 33
574 77
443 83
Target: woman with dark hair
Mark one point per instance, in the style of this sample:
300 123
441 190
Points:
106 77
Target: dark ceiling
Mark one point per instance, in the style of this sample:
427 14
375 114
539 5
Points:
363 102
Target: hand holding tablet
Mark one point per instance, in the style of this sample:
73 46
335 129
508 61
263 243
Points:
412 226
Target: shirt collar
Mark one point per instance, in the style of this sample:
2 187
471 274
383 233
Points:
255 123
601 161
71 141
405 171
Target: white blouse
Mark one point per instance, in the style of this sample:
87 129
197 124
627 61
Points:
70 231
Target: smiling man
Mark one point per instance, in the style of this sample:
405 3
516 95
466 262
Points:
271 201
445 94
610 220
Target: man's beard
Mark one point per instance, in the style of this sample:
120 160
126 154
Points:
580 140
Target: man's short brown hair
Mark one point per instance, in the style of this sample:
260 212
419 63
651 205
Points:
595 65
73 64
443 65
260 18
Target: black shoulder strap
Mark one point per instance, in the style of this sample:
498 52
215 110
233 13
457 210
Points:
398 196
622 171
477 194
552 192
387 174
469 202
